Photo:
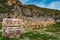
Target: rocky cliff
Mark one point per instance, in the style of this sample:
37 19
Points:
15 9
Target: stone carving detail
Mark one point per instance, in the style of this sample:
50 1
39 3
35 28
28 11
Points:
12 28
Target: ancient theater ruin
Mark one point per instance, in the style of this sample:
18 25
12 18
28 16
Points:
14 27
21 20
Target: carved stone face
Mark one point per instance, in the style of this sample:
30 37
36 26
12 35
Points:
11 2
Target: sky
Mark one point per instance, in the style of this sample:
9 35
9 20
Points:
52 4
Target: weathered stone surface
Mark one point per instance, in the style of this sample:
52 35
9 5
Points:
12 32
13 28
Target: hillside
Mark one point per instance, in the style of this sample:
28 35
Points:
9 8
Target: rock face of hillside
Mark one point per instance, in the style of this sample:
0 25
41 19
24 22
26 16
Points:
15 9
